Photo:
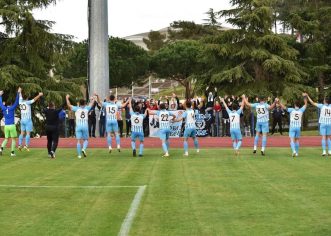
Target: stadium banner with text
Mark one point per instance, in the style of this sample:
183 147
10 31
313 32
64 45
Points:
175 128
203 122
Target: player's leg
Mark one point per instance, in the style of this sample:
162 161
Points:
328 134
5 141
79 136
141 146
49 141
109 138
13 136
85 143
55 137
185 142
292 141
134 136
239 140
323 134
117 136
195 140
163 137
258 130
233 138
21 137
29 128
167 139
265 131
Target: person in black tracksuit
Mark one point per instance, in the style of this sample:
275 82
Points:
277 115
52 128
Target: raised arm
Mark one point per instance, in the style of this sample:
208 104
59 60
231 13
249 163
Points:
93 103
1 104
247 103
125 104
272 106
130 105
242 102
68 102
224 103
305 102
17 98
310 100
38 96
282 106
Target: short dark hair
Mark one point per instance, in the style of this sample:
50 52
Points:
82 102
111 97
51 105
327 99
297 103
162 106
262 98
235 106
188 104
137 108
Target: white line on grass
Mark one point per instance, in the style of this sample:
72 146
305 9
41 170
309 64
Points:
127 223
69 186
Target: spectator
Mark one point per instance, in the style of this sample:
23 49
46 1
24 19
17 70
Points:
277 115
120 122
173 104
127 118
71 118
217 114
102 121
92 120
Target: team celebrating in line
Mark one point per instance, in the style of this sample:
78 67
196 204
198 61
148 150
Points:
165 116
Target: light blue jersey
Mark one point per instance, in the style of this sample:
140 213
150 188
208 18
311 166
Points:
81 114
262 112
296 116
137 120
25 107
111 111
164 119
234 117
189 116
325 114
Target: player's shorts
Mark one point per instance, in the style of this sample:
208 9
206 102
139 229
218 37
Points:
10 131
325 129
262 127
236 134
164 134
190 133
26 125
112 126
294 132
81 132
135 135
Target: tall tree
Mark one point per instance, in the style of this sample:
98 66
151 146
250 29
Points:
251 56
179 61
155 41
188 30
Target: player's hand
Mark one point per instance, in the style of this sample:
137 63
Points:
207 88
305 94
19 90
215 89
222 99
276 100
173 95
67 96
41 94
1 93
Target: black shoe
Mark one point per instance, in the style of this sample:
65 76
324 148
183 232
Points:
254 151
262 153
1 150
84 153
52 154
134 153
140 155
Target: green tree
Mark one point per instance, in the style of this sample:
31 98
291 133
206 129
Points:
188 30
250 57
155 41
179 61
127 62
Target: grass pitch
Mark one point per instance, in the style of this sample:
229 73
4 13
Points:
213 193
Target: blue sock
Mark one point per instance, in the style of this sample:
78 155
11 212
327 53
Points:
324 145
234 144
196 143
168 144
109 140
164 146
329 144
264 141
185 146
133 145
85 144
293 146
297 145
79 149
20 140
118 140
256 140
239 144
27 140
141 149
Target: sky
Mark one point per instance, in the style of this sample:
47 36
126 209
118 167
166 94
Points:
127 17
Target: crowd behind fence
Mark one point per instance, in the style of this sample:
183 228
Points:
217 124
